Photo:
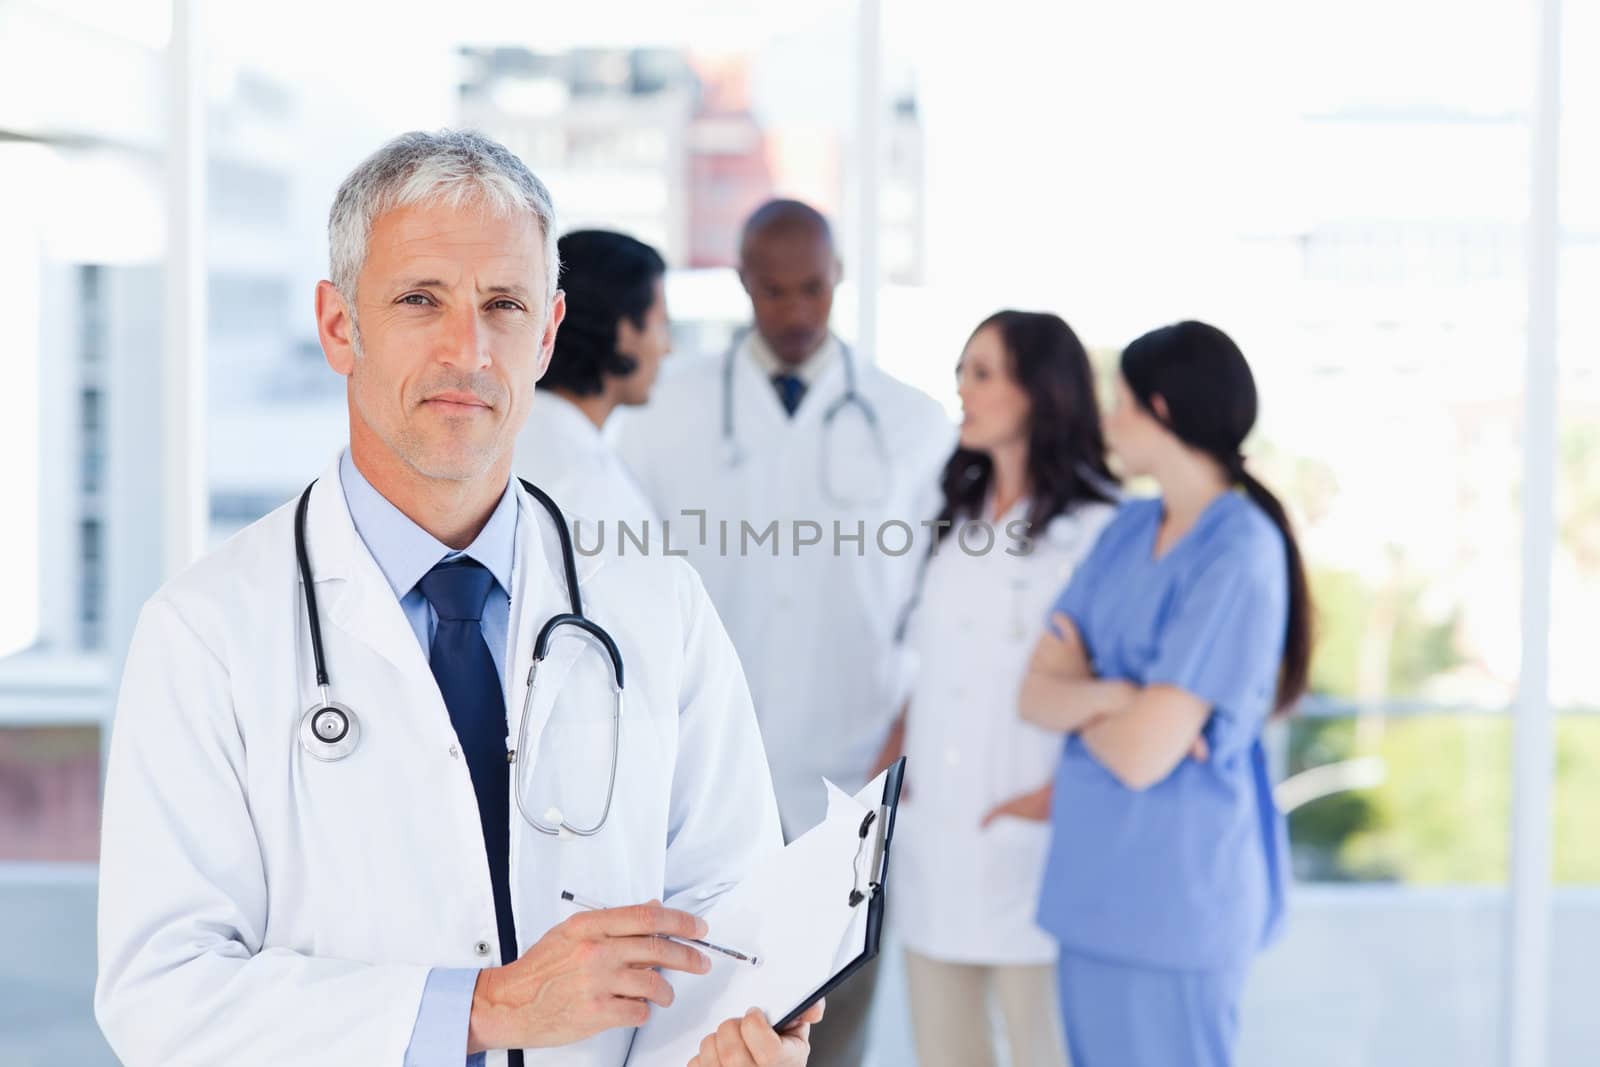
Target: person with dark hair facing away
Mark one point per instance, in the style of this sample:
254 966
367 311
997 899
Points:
1029 482
1186 628
608 353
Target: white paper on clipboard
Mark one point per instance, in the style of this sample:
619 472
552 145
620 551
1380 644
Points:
794 913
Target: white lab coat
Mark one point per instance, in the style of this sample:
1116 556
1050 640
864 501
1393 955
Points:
260 907
964 894
815 631
567 456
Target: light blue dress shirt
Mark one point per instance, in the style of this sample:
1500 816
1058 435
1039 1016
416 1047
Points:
1188 875
404 553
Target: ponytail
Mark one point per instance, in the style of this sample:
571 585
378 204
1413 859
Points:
1294 673
1209 398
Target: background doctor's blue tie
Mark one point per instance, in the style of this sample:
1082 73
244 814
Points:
790 390
471 689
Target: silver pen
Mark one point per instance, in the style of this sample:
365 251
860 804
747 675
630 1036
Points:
732 954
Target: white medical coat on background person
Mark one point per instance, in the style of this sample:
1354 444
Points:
573 460
258 906
815 631
966 894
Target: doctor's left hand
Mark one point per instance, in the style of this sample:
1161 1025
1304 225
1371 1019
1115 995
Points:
751 1041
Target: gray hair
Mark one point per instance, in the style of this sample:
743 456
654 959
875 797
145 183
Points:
453 167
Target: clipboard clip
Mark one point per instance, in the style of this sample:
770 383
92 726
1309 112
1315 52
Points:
872 826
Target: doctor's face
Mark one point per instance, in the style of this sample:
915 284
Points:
790 275
994 408
455 326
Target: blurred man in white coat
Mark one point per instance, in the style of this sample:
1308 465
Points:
790 470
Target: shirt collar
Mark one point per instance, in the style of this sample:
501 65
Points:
808 370
565 417
405 551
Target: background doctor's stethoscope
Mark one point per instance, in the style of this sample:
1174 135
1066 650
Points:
873 486
330 730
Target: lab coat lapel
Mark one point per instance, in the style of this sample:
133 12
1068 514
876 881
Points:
539 592
352 593
821 394
758 413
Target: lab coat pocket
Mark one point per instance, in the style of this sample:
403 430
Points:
1014 857
571 762
568 782
569 776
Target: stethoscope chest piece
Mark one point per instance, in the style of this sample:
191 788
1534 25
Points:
329 731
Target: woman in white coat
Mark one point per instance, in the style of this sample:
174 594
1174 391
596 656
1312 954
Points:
608 352
1025 495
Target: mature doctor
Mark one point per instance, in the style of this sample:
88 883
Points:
799 452
607 355
262 902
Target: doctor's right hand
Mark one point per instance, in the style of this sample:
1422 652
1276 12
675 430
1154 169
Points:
595 971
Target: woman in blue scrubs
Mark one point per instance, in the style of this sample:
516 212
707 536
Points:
1184 630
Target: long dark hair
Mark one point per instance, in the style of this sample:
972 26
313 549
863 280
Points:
1066 449
1210 399
607 277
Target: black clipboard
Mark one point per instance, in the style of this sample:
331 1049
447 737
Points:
877 831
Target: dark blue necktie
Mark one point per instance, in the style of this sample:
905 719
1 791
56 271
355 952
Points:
470 686
790 390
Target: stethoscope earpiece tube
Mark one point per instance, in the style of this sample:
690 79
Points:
569 563
303 558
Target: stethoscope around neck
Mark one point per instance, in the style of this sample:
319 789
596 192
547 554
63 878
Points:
850 397
330 730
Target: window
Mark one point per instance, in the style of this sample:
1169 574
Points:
92 589
1574 669
93 313
248 192
92 431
